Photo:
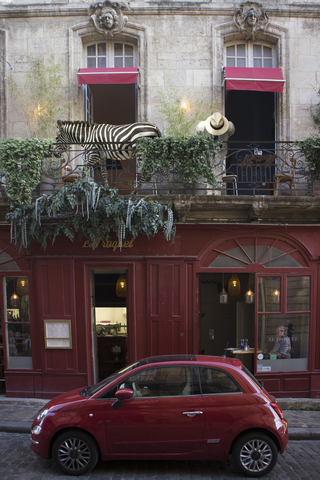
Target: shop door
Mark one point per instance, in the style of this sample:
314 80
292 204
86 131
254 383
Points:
166 308
94 331
109 324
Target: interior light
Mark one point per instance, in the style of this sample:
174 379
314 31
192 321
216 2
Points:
276 296
121 286
234 286
249 296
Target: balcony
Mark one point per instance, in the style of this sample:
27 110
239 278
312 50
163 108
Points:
254 184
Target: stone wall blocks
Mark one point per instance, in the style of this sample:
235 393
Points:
167 64
22 30
162 28
309 62
38 47
187 64
180 44
156 44
186 27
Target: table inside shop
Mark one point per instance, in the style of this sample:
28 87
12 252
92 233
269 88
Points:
246 357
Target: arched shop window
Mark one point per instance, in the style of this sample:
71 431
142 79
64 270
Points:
282 296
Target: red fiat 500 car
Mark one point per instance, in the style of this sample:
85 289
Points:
187 407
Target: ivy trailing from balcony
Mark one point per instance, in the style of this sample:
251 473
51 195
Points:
190 157
90 210
20 161
309 150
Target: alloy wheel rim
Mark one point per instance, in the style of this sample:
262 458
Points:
256 455
74 454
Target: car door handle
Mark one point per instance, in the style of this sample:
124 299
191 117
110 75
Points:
193 414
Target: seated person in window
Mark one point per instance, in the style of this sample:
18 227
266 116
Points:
282 345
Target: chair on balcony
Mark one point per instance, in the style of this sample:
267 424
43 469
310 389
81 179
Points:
66 176
231 178
286 178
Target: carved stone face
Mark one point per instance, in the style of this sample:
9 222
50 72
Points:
107 20
252 18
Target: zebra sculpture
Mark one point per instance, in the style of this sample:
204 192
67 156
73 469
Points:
104 141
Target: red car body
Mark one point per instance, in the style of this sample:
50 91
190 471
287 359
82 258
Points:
189 426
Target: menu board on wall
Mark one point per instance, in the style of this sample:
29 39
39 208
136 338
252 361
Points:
57 334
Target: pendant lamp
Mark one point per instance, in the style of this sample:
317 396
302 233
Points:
249 296
223 296
121 286
14 300
22 286
276 296
234 285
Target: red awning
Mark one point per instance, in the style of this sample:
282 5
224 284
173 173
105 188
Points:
260 79
107 76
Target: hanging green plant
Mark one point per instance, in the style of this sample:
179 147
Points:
20 161
309 150
191 158
90 210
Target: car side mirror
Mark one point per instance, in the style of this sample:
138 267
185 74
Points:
122 394
261 384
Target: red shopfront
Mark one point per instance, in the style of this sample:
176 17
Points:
70 326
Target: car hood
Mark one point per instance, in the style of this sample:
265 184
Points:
67 401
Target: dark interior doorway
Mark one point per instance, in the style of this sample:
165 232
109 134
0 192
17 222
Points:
114 104
223 325
253 115
110 323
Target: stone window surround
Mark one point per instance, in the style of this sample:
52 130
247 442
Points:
81 35
275 35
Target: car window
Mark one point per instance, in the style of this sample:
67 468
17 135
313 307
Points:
214 380
169 381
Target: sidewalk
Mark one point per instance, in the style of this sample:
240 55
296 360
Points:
17 414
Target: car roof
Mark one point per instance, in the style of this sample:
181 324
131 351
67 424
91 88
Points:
192 358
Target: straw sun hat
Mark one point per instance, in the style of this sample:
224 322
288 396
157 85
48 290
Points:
217 124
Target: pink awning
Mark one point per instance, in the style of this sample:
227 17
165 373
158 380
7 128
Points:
260 79
107 76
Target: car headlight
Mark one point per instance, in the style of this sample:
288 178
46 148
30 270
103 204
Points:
43 412
36 430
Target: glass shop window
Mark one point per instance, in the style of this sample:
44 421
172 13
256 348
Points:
283 337
17 322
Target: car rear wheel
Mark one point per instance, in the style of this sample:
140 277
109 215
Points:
75 452
255 454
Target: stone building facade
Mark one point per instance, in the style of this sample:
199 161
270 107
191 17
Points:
185 42
258 65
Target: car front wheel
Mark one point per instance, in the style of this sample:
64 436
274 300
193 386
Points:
255 454
75 452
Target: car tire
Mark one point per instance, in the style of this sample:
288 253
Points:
75 452
255 454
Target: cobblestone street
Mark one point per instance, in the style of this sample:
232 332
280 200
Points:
18 462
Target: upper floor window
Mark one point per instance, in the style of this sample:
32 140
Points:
110 54
250 54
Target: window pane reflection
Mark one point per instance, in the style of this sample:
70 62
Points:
17 323
298 293
269 294
283 342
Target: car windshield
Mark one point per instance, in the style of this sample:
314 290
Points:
91 390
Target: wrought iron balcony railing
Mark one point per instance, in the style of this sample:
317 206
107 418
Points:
251 169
